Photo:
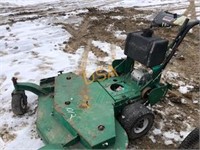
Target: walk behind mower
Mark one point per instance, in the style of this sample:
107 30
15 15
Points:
106 113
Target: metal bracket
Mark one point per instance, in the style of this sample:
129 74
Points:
36 89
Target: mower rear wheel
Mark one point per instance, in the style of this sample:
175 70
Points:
19 103
191 141
137 120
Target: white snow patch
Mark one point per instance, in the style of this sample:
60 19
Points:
176 116
91 64
183 101
110 28
168 142
195 101
157 131
171 75
120 35
145 4
152 138
117 17
93 18
27 2
181 83
113 51
185 89
172 135
198 9
102 45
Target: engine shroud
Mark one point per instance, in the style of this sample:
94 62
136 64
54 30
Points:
148 50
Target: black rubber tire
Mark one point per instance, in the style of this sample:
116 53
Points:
19 103
137 120
191 141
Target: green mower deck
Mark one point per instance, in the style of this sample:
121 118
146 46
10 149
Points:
80 114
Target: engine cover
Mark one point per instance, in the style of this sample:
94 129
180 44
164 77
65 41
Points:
148 50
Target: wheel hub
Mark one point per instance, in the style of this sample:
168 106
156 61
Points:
141 125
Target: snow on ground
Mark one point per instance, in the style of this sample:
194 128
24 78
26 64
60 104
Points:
185 89
31 50
142 3
26 2
108 48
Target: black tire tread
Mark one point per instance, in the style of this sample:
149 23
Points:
16 103
191 141
132 113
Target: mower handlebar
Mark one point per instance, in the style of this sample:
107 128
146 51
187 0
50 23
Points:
186 26
167 19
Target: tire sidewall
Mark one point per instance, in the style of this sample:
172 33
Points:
19 103
149 117
133 113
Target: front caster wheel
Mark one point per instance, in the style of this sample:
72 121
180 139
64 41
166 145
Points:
137 120
19 103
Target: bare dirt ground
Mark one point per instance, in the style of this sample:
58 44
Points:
177 109
100 25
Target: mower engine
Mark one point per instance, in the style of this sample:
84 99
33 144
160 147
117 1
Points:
149 50
141 75
146 48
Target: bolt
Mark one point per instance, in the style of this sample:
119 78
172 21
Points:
67 102
68 78
101 127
